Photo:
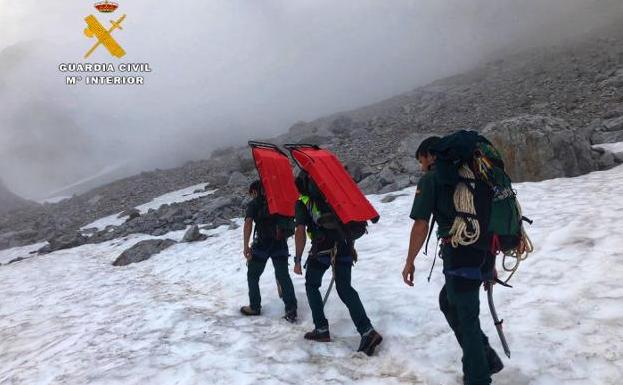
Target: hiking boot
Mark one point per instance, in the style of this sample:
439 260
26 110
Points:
495 363
369 342
290 316
249 311
318 335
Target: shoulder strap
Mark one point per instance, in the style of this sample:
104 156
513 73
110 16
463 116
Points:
430 232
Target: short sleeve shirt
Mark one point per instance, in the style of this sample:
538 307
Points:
251 211
433 198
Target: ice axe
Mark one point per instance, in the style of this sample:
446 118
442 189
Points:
496 321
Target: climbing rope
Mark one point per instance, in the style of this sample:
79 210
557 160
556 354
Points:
465 230
520 253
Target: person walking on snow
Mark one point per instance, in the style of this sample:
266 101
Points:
459 297
268 242
329 249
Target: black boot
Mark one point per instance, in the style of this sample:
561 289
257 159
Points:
249 311
495 363
319 335
369 342
290 316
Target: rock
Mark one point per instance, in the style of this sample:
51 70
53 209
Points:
218 222
64 241
606 161
10 201
238 179
172 214
618 157
18 259
341 126
194 235
400 183
370 185
94 200
90 231
409 145
233 226
318 140
538 147
354 169
392 197
614 124
601 137
220 203
409 165
387 176
159 232
142 251
129 213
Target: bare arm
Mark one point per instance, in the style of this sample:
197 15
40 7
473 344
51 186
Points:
419 231
247 229
300 238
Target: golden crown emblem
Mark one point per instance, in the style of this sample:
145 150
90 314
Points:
106 6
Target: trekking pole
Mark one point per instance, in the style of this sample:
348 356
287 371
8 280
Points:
496 321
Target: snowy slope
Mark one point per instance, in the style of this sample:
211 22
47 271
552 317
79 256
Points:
178 196
71 318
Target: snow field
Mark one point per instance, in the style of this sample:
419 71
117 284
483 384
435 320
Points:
71 318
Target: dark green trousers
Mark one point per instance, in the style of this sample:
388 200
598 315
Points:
349 296
256 267
461 307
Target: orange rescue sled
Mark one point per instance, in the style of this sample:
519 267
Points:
275 171
335 183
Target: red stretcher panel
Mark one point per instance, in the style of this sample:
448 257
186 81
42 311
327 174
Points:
276 176
335 183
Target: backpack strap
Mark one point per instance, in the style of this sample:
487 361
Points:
430 232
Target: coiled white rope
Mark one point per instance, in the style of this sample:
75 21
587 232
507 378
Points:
520 253
465 230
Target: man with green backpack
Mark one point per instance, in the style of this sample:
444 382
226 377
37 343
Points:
269 241
469 196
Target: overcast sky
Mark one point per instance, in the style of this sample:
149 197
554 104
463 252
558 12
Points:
227 70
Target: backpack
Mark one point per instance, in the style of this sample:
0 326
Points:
327 219
277 227
470 163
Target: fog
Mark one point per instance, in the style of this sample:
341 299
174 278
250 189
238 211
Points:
227 70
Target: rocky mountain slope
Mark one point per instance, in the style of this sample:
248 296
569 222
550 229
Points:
548 104
10 201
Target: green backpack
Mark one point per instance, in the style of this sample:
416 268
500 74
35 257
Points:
468 161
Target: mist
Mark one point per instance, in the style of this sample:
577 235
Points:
225 71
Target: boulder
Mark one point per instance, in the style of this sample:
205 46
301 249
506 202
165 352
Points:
409 145
142 251
194 235
64 241
536 147
600 137
387 176
370 185
606 161
237 179
614 124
